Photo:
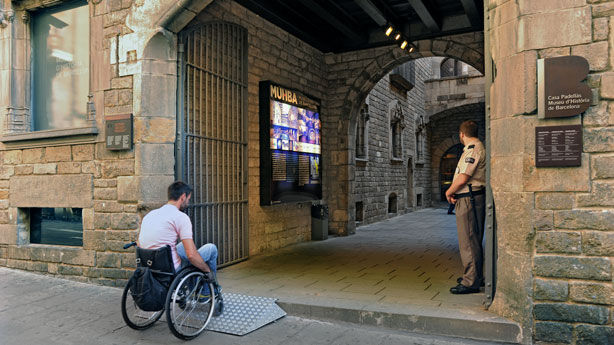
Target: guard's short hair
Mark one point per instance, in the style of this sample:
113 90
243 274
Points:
177 189
469 128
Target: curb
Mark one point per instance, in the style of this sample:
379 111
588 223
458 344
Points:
478 328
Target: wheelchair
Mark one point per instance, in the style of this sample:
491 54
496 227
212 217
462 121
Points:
190 302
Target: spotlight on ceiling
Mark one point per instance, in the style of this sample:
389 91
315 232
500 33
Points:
389 31
404 44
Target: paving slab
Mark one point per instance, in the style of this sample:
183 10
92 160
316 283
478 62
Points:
399 268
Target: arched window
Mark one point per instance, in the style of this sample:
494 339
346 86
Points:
362 131
420 138
397 124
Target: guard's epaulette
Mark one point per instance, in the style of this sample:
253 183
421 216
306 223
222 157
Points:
470 146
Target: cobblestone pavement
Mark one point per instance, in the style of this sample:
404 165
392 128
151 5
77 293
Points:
410 260
37 309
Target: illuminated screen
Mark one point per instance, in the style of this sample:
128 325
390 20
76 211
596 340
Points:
290 146
294 129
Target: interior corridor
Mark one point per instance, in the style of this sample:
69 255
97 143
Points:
407 261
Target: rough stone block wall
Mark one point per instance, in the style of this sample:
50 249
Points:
82 174
380 175
555 225
280 57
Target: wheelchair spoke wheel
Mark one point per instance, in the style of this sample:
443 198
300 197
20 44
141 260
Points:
135 317
190 303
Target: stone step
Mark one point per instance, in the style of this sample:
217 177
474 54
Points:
467 324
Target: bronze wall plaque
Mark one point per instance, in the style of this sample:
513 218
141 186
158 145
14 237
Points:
118 132
561 92
558 146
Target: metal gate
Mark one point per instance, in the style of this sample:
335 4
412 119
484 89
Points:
211 147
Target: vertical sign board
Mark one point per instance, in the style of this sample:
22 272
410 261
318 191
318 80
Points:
290 146
118 132
558 146
560 91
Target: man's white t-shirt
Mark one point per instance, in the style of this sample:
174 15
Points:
163 226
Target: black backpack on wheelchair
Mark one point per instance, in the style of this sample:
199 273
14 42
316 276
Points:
153 276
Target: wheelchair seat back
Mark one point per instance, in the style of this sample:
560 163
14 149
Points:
159 261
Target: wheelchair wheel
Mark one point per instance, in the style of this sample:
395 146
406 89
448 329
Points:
190 303
134 317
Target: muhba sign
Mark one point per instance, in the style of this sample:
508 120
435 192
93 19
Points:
561 92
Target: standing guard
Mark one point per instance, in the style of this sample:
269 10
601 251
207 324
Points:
467 192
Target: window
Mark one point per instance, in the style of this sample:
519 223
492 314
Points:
60 62
60 225
420 127
397 124
362 131
359 211
392 203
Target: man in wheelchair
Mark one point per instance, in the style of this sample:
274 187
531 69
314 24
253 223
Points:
165 225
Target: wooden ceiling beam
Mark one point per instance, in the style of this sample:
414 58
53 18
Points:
427 14
372 11
345 28
473 13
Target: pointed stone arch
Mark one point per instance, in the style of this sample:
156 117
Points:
351 78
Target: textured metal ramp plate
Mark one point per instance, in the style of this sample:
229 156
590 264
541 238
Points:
244 314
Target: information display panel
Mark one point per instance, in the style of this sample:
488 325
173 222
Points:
290 145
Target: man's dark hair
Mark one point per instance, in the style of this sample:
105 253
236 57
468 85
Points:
177 189
469 128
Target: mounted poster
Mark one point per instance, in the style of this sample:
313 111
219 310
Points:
290 146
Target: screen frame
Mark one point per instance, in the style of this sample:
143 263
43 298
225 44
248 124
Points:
266 161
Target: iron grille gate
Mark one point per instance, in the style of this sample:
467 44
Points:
212 135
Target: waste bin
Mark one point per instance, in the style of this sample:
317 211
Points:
319 222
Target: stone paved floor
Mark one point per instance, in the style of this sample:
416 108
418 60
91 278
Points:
410 260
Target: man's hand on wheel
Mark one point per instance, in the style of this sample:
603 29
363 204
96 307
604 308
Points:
210 276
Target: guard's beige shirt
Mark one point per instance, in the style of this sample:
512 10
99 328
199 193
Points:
472 163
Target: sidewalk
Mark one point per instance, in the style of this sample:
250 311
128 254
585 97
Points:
384 274
44 310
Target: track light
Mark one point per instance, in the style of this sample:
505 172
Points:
397 37
404 44
389 30
411 49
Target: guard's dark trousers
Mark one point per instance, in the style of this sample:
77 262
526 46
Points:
470 239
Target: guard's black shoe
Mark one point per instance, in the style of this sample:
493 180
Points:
460 279
461 289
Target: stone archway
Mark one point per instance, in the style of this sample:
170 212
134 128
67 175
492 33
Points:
350 80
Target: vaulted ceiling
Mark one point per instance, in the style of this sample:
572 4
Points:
346 25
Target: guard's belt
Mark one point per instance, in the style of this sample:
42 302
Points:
466 195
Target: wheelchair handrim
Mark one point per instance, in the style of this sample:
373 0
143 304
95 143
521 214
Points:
174 306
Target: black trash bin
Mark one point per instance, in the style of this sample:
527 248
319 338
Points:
319 222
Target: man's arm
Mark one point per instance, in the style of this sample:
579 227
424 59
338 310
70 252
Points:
460 181
193 256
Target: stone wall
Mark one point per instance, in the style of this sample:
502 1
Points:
77 171
554 224
379 175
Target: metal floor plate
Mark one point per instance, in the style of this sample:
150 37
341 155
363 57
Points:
244 314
